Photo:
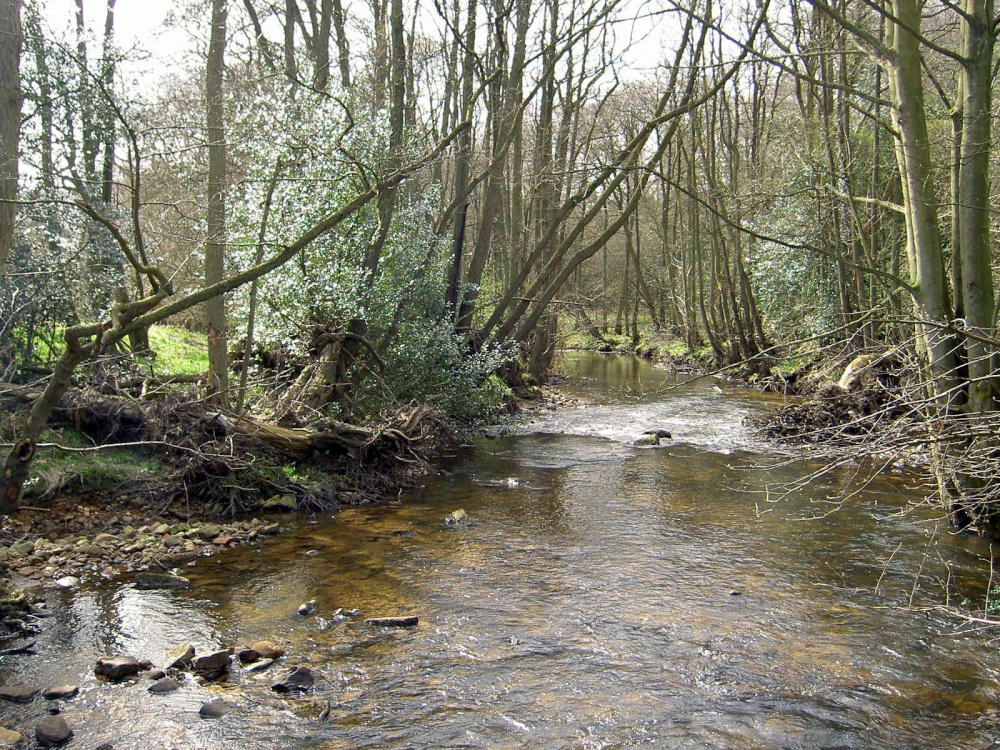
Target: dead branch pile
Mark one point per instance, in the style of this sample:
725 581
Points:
864 402
231 463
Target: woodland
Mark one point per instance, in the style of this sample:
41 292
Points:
385 217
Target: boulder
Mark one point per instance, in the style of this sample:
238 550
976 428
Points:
268 650
117 667
163 686
179 656
214 661
67 582
61 692
299 680
647 441
309 608
457 517
247 655
18 693
148 580
52 731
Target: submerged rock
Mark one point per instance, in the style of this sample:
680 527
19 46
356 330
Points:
117 667
51 731
299 679
148 580
405 621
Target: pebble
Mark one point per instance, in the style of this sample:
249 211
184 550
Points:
61 692
268 650
214 709
164 685
260 666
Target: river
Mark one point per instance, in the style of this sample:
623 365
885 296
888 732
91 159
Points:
600 596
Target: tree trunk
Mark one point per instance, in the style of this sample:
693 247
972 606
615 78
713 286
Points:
974 199
10 120
215 249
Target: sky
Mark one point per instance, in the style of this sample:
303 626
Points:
143 30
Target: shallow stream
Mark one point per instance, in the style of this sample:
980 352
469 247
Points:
601 596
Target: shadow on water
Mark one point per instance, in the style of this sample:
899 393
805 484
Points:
602 596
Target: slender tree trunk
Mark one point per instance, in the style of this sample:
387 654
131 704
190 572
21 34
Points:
215 249
10 122
974 198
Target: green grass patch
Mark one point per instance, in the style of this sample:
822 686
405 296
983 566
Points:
178 351
56 470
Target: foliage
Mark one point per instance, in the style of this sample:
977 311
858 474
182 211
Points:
178 351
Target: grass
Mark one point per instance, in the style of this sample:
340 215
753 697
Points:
56 470
178 351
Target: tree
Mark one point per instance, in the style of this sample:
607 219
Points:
215 247
11 39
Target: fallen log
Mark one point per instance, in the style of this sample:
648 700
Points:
326 435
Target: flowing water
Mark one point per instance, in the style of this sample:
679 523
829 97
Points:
601 596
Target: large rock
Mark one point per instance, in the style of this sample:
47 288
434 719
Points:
299 680
179 657
117 667
215 661
9 738
51 731
18 693
268 650
148 580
